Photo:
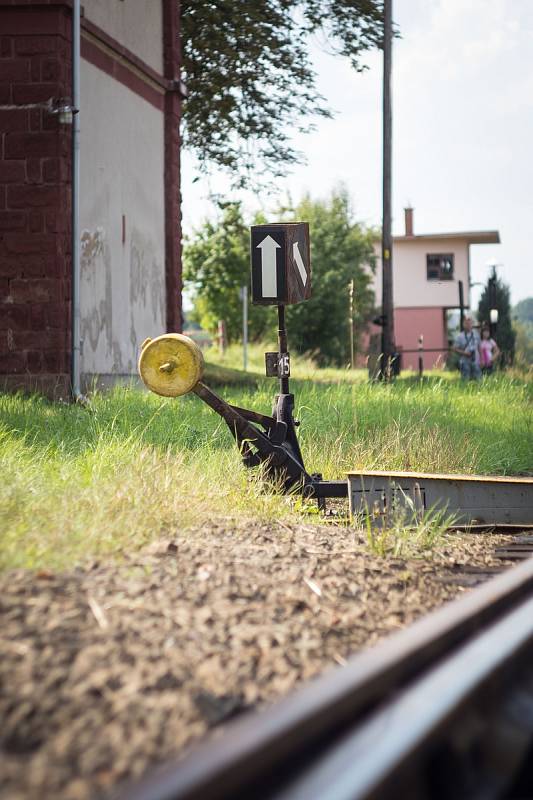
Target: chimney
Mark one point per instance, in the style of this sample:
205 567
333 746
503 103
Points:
409 221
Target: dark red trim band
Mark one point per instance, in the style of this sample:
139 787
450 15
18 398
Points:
109 63
124 53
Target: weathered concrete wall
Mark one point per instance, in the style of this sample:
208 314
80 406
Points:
122 221
136 24
410 284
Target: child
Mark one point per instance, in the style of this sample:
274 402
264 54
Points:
489 351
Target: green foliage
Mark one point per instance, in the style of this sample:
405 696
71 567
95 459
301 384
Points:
217 264
523 311
504 335
250 79
524 343
523 328
341 250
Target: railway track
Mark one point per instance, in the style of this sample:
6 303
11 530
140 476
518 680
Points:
442 709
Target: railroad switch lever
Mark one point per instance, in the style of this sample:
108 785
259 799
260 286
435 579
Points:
172 365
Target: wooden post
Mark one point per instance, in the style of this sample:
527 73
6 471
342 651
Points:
387 339
461 306
351 323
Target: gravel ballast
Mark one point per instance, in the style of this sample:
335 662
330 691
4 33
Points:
107 670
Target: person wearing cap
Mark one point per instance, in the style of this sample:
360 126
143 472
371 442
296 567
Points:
467 346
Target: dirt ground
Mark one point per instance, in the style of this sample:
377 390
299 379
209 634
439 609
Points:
107 670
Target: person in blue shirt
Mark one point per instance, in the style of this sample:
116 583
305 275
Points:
467 345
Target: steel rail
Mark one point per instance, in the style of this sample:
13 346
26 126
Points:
258 748
378 758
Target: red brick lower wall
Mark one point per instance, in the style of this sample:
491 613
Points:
35 204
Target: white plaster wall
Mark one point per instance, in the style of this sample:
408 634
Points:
122 285
411 287
136 24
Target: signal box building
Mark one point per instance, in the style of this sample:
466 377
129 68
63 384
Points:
427 269
130 271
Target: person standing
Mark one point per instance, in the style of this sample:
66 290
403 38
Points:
489 351
467 346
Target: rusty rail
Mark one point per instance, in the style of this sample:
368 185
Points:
423 708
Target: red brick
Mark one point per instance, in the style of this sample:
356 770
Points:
37 290
38 340
10 267
6 47
51 70
56 223
16 120
36 120
37 316
22 244
16 69
15 317
35 69
33 171
57 315
5 94
2 197
32 196
12 171
31 45
55 361
34 361
4 287
37 266
12 220
51 170
12 363
34 92
24 145
36 221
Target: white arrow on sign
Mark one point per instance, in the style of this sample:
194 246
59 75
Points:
269 278
299 263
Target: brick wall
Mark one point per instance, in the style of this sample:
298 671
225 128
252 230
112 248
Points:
35 263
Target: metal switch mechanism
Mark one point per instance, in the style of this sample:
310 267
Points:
172 365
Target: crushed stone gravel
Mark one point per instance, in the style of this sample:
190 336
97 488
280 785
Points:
109 669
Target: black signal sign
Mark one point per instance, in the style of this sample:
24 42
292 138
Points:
281 263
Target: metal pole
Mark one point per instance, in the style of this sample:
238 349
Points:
75 291
461 306
244 292
387 340
421 356
282 348
352 358
492 301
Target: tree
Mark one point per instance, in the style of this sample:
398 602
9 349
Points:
216 260
523 327
341 250
505 335
249 75
217 263
523 310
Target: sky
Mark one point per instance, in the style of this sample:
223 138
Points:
462 133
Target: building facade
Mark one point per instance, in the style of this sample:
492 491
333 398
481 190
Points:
427 270
129 233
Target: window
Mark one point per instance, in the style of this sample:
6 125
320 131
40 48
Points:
439 266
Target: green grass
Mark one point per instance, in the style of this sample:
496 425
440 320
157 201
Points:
130 467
